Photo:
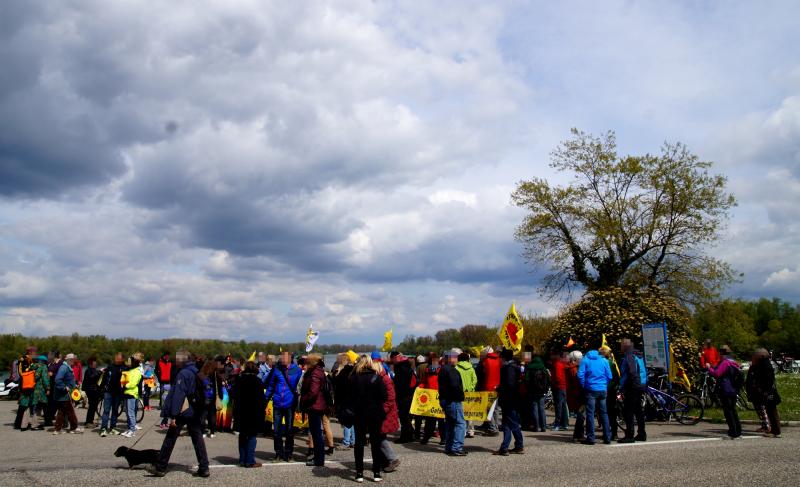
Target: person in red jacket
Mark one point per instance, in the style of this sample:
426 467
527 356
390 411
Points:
710 355
488 372
77 371
430 380
558 378
314 403
392 421
164 373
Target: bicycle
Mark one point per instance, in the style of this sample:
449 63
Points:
705 389
121 410
687 409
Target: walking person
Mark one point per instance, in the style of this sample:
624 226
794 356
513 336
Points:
183 407
64 383
558 384
537 380
612 391
367 396
248 413
208 377
508 399
575 397
112 396
451 398
130 381
281 389
391 422
314 403
37 398
763 391
632 384
469 381
92 389
53 366
165 372
594 375
26 378
729 380
148 382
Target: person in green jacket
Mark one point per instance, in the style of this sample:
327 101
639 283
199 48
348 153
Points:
469 379
130 390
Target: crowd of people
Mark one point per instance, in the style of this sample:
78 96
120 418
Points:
370 396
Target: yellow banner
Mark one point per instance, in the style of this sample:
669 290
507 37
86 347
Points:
512 331
476 404
300 420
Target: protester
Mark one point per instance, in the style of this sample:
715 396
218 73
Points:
112 396
451 399
208 377
469 381
405 381
315 405
165 372
36 398
183 408
575 395
90 386
558 382
148 383
763 391
537 380
367 397
488 373
64 384
391 422
509 401
421 363
130 381
710 355
728 373
431 381
611 392
26 378
594 375
632 384
281 389
265 364
77 371
54 364
341 375
248 413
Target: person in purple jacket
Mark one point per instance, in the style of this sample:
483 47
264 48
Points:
729 381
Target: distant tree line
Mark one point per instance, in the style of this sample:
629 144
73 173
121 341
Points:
104 348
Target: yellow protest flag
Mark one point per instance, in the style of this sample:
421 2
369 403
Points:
511 332
570 343
613 359
387 342
252 357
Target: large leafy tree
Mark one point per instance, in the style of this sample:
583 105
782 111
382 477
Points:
633 221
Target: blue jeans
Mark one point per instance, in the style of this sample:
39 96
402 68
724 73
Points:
130 410
349 436
538 414
315 430
511 426
283 448
247 450
111 404
598 398
454 426
560 406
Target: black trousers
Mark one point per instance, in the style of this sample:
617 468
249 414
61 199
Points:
50 411
375 439
94 401
731 416
774 418
632 408
195 428
611 406
406 428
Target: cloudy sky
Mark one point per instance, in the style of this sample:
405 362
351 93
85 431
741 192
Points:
238 169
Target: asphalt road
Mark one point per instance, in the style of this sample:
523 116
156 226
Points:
674 455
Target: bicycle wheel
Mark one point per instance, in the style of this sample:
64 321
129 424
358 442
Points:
688 409
139 411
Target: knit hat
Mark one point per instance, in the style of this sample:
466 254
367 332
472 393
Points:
421 359
376 355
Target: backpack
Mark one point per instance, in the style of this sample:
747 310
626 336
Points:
328 389
635 373
28 380
198 398
538 381
736 377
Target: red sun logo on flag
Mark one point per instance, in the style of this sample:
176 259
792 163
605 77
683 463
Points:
423 399
513 332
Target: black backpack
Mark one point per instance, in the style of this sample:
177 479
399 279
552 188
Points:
538 381
737 377
328 390
197 399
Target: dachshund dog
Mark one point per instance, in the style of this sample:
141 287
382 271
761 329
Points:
136 457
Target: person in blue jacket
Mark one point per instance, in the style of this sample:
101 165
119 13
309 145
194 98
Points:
183 407
594 374
281 389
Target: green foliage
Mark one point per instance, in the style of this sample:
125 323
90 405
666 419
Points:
633 221
620 313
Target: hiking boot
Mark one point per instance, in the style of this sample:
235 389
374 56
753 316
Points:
392 466
517 451
154 471
501 453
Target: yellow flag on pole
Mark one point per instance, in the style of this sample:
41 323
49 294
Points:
677 374
613 359
252 357
511 332
387 341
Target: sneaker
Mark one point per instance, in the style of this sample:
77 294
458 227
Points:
254 465
501 453
163 426
57 432
138 427
129 434
277 460
212 435
329 451
76 431
359 478
154 471
376 477
103 433
459 453
392 466
470 435
773 435
204 473
114 432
